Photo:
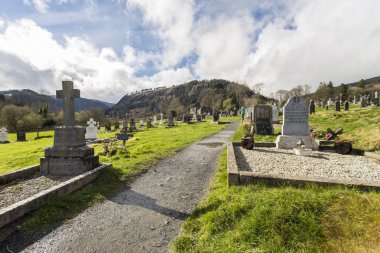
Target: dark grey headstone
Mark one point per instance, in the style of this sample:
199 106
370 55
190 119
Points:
263 119
337 106
346 106
21 136
312 107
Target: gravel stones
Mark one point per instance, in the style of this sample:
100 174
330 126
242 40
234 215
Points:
327 165
22 189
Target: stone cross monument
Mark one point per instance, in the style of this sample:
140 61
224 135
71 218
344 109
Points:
69 155
68 93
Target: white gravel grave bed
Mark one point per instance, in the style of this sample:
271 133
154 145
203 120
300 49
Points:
19 190
327 165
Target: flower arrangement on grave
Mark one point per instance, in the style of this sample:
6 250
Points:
318 134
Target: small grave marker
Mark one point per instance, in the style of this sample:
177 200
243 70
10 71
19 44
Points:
3 135
91 129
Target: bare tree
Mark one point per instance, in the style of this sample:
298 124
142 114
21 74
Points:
258 87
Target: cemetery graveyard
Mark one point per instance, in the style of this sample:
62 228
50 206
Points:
275 139
189 126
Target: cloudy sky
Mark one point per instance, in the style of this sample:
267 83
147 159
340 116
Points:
113 47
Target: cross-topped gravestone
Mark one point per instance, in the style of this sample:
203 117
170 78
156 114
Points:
91 129
69 156
3 135
68 93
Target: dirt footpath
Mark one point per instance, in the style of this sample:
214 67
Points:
147 215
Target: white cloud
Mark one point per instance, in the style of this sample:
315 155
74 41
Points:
223 46
282 43
334 40
173 23
42 6
98 73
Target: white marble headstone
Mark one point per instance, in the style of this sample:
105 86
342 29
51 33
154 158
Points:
275 114
3 134
91 129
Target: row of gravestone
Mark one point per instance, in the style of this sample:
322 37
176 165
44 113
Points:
337 106
365 100
93 126
21 136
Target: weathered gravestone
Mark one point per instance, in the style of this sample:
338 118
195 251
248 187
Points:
194 117
275 119
337 106
186 118
3 135
141 123
132 125
312 107
149 123
329 102
161 119
346 106
107 126
296 125
91 129
69 155
155 123
363 101
21 136
171 120
262 117
215 119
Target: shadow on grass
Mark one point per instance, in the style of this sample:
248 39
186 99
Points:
43 137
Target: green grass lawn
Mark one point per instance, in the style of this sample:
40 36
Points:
143 150
261 218
362 125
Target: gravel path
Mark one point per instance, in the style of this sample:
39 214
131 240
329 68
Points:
328 165
22 189
143 218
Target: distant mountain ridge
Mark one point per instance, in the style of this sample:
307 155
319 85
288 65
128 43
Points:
369 81
32 99
209 95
